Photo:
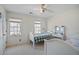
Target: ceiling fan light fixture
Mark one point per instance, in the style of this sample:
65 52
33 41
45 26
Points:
43 8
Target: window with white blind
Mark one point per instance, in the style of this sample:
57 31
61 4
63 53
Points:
37 26
15 26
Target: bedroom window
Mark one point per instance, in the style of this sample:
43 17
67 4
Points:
37 26
15 26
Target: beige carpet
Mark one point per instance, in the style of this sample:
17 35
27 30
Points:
25 49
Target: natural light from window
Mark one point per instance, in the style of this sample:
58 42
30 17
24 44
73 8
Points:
15 26
37 26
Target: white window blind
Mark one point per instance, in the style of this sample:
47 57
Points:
15 26
37 26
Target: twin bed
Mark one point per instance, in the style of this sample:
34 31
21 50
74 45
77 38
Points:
39 37
59 47
35 38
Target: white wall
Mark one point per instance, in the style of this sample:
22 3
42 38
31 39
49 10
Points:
68 18
2 30
26 27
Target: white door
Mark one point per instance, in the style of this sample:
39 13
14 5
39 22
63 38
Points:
2 33
14 32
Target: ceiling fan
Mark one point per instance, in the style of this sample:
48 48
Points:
44 8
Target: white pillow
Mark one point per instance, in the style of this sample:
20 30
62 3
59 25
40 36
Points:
75 41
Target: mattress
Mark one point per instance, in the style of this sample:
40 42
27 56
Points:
59 47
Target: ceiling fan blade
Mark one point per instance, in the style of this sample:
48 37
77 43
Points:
48 10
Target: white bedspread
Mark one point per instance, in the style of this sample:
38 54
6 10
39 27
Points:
59 47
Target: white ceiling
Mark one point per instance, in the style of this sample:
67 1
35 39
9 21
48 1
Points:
35 9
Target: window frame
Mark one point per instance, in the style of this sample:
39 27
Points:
15 32
37 26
